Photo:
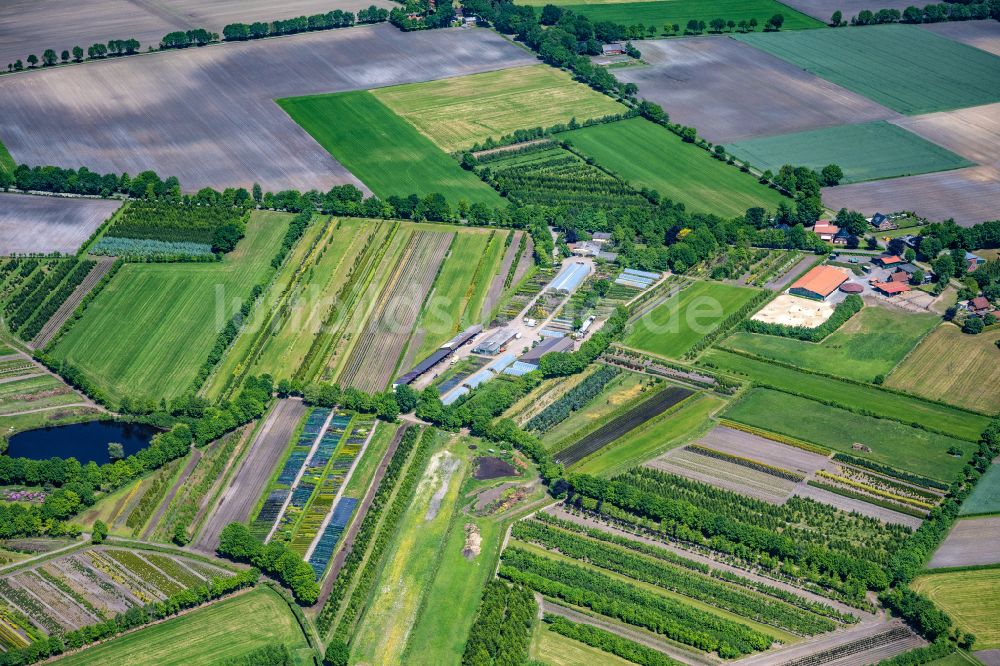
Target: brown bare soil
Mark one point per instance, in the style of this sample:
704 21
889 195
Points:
66 310
968 195
31 26
732 91
238 500
377 352
983 35
30 223
207 115
973 133
971 541
791 310
739 443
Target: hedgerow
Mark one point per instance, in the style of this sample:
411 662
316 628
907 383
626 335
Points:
56 299
608 642
238 543
501 632
574 399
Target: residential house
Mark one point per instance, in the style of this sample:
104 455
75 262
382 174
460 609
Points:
887 260
910 269
842 237
973 261
826 230
882 222
979 305
614 48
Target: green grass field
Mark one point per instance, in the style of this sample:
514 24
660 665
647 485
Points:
853 396
225 630
681 321
648 155
871 343
7 164
554 649
681 11
970 598
892 443
907 69
412 560
151 328
959 369
457 112
985 497
679 425
456 301
865 152
387 153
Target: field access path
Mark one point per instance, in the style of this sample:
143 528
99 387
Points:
238 500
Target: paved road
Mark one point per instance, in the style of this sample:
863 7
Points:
237 501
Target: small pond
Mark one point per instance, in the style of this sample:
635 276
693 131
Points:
83 441
491 467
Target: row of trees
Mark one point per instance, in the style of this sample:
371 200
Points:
501 632
96 51
931 13
276 559
239 32
133 618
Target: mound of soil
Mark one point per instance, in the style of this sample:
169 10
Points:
491 467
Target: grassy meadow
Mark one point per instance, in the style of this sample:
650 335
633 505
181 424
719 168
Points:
224 630
682 320
904 67
150 329
658 13
676 426
868 151
985 497
886 404
956 368
7 164
648 155
901 446
870 344
970 598
456 300
387 153
412 560
554 649
457 112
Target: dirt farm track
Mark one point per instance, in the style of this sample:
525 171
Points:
209 116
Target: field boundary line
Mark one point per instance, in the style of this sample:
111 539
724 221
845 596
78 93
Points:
301 473
340 492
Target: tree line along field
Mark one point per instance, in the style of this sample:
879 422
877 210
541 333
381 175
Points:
674 327
906 68
953 367
868 151
207 115
659 13
869 345
892 443
458 112
647 155
971 598
225 630
850 395
384 151
147 333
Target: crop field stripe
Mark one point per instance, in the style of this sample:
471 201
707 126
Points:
227 629
659 13
869 151
971 598
892 443
457 112
388 154
152 327
619 426
851 395
648 155
904 67
951 366
669 331
7 164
